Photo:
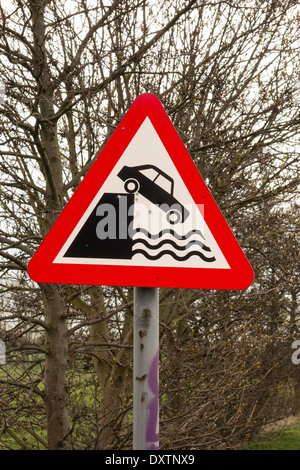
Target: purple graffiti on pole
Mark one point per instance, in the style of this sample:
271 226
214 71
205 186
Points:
151 433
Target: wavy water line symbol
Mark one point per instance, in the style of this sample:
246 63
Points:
191 243
168 232
148 249
171 253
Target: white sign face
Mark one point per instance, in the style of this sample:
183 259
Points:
143 215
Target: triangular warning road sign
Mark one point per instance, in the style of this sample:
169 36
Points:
142 216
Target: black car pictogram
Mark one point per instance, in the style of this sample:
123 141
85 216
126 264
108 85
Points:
157 187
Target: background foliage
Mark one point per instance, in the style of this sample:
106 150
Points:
228 75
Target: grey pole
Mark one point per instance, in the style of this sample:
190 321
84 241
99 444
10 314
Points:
146 368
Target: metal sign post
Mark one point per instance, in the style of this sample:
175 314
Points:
146 368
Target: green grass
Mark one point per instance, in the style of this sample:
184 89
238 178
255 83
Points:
284 439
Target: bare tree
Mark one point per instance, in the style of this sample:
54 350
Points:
225 72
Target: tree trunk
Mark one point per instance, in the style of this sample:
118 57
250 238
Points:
54 306
56 394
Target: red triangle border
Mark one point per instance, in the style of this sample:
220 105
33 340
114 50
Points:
42 269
